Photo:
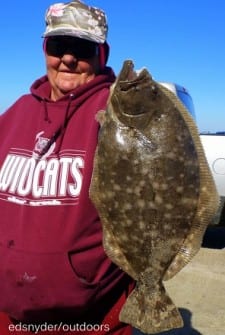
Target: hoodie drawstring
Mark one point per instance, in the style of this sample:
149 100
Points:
66 120
61 130
46 117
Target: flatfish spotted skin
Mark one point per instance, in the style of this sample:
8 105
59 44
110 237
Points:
154 193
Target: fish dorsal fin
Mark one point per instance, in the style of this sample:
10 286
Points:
208 199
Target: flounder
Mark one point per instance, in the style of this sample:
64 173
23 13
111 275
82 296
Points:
154 193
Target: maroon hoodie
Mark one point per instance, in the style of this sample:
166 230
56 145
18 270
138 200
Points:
52 264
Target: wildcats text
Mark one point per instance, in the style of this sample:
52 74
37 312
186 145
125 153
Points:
55 178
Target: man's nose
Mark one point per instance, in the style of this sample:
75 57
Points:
68 58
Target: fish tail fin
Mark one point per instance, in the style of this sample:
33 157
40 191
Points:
150 313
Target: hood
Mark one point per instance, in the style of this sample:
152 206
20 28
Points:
65 107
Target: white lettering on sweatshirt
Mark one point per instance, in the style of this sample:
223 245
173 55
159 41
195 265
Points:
41 182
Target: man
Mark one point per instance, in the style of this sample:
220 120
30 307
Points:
53 270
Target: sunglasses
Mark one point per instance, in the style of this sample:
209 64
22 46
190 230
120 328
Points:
57 46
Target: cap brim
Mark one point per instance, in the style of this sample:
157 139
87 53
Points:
76 33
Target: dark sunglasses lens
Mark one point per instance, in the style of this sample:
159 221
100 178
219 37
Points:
58 46
53 47
85 49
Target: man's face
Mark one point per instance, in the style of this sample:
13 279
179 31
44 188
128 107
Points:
70 62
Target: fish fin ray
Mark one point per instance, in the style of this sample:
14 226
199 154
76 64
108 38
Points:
208 204
110 244
100 117
205 214
115 253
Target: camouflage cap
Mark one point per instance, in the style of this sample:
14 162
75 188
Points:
76 19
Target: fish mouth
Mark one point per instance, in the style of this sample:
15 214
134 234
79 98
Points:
129 77
127 72
131 93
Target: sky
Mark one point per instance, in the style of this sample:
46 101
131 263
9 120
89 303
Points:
177 41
